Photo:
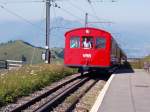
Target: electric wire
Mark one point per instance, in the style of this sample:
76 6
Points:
18 16
95 13
68 12
37 39
96 1
54 11
27 21
19 1
57 27
80 9
93 10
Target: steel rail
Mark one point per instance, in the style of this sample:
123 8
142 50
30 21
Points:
72 106
38 98
49 105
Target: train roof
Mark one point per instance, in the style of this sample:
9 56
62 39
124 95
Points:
82 28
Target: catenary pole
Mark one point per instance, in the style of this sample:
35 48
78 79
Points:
48 52
86 19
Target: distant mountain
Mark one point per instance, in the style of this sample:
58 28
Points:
18 50
132 38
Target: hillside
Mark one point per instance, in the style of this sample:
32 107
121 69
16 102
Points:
16 50
147 58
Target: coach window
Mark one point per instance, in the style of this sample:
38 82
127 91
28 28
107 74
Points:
74 42
100 42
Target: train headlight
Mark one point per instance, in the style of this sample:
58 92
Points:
87 31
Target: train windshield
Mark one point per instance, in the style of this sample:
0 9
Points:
75 42
100 42
87 42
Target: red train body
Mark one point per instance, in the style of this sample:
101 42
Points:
100 50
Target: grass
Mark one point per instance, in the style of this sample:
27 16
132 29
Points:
28 79
137 64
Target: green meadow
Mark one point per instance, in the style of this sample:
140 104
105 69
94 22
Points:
22 82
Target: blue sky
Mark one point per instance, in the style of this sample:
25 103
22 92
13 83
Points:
124 11
129 17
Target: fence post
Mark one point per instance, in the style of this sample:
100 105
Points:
6 64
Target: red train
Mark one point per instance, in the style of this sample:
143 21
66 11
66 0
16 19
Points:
91 48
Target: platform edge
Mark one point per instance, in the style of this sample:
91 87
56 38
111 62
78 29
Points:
101 95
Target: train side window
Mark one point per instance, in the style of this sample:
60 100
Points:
74 42
100 42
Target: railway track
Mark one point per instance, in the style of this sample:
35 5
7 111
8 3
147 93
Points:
52 99
52 103
58 89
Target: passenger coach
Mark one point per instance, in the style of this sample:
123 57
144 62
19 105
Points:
91 48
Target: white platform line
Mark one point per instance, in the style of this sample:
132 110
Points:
100 97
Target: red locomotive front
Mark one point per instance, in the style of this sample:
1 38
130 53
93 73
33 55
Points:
87 47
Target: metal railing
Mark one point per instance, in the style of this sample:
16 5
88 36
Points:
14 64
3 64
9 64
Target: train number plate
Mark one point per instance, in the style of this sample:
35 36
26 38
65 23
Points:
86 55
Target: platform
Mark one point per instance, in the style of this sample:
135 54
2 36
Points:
129 91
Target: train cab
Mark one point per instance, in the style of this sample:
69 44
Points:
87 47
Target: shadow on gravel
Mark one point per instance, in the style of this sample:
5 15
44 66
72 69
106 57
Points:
105 74
99 75
126 68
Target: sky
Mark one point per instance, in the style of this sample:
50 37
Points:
124 11
130 17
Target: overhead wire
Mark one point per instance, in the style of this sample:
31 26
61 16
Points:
95 13
68 12
57 27
96 1
93 10
54 12
18 16
2 2
43 16
27 21
80 9
35 39
80 20
55 15
19 1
